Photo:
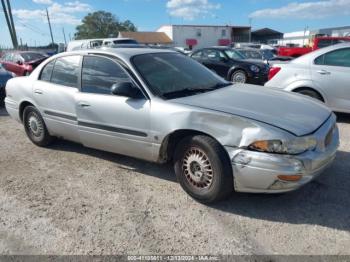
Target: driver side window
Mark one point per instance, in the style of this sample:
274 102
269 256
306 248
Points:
100 73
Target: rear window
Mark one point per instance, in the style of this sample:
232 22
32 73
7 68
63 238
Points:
66 71
125 41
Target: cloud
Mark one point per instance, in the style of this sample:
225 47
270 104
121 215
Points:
306 10
44 2
59 13
190 9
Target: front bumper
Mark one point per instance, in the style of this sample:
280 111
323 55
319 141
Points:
257 79
258 172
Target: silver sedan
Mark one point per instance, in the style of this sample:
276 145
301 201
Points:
323 74
162 106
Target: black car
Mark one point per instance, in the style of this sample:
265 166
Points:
230 64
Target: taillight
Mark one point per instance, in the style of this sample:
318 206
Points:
273 71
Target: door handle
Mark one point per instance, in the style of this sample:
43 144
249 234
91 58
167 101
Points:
324 72
38 91
83 104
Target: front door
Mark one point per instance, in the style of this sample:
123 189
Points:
216 61
331 72
108 122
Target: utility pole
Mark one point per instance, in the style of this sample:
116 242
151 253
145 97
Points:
48 20
12 23
64 35
9 25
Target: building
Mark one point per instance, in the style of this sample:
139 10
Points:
302 38
266 36
148 38
199 36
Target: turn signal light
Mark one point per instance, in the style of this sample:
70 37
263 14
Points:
273 71
290 178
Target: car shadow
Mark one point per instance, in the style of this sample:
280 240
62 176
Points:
3 111
151 169
325 201
343 118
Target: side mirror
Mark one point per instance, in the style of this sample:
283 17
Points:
127 89
19 62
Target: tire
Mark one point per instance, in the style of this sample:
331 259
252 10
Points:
35 127
239 76
310 93
196 154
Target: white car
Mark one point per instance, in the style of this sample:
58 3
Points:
323 74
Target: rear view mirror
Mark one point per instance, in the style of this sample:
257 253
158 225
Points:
19 62
127 89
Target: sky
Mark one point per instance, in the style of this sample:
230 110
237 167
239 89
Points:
148 15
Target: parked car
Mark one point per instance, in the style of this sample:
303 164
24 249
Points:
119 41
4 77
317 43
84 44
22 63
231 65
162 106
323 74
264 55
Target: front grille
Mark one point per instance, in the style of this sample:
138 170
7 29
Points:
329 136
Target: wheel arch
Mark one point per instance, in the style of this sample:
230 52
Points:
170 141
296 90
234 69
22 106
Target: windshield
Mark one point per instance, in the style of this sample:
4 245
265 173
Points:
172 75
233 54
32 56
251 54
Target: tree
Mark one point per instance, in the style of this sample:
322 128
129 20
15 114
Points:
102 24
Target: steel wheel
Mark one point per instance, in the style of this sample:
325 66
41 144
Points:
197 168
239 77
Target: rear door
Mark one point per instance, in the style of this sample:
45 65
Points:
331 72
109 122
54 93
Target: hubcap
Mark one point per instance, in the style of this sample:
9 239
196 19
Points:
34 125
238 78
197 168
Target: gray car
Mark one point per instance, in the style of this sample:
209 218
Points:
323 74
161 106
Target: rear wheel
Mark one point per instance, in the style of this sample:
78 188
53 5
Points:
203 169
239 76
310 93
35 127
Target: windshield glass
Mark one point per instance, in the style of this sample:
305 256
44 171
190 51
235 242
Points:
172 75
233 54
32 56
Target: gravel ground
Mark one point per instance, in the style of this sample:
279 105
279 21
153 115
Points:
68 199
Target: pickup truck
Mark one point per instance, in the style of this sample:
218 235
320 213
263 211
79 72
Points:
318 43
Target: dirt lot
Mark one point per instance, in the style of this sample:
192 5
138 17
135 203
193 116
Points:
68 199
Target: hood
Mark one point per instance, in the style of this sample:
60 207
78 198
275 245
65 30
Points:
294 113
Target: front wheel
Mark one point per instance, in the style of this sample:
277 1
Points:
239 76
35 127
203 169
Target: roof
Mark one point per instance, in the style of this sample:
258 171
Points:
266 31
148 37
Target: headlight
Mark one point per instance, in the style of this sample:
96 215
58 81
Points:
254 68
293 147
